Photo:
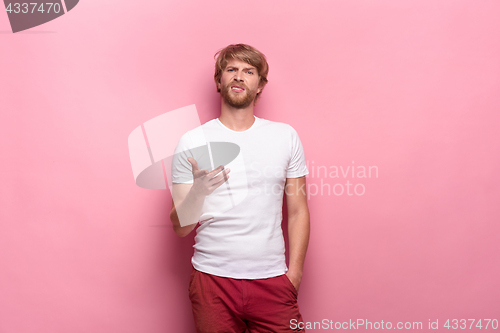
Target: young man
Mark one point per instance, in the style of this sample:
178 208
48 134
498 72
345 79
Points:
240 279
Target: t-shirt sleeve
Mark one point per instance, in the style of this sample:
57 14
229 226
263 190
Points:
297 166
181 168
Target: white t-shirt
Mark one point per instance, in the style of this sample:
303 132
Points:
240 233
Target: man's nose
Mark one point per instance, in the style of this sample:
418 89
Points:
238 76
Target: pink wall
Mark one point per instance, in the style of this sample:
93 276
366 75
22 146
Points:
411 88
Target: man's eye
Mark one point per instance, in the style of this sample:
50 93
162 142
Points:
249 72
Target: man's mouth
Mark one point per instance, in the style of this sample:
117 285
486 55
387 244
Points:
237 88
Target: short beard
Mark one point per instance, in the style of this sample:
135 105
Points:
238 103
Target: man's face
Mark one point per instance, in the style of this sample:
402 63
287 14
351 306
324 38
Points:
239 84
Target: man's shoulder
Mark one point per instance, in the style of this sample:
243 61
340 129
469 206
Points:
275 124
280 129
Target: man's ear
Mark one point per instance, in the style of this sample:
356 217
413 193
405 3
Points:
261 86
259 90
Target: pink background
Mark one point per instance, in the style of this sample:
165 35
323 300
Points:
412 87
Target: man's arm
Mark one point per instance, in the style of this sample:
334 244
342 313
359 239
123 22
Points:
298 227
193 205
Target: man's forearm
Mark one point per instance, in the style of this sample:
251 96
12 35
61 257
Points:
188 211
298 239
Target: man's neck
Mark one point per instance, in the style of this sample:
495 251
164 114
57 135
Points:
236 119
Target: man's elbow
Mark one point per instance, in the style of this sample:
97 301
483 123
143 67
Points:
176 224
178 229
180 232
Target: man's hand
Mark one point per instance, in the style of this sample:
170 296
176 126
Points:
295 278
204 182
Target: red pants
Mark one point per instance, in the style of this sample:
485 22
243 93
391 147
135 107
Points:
226 305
